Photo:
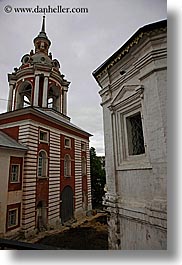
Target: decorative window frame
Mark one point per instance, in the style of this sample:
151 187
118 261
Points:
126 103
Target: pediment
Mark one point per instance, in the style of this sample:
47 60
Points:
125 92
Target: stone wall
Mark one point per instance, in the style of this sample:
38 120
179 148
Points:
136 195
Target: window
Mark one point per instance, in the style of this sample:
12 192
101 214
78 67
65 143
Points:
135 134
43 136
67 142
67 166
12 217
15 173
54 97
24 95
84 168
42 164
83 146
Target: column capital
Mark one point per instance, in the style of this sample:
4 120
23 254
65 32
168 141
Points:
65 88
37 72
12 83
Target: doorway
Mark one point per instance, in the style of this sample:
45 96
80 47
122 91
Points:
66 204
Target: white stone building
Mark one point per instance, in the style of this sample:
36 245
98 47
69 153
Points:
133 85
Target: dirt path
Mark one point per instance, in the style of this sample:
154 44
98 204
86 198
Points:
90 235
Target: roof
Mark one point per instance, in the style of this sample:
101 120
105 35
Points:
45 113
123 50
8 142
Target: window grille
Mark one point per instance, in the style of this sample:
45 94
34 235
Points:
135 135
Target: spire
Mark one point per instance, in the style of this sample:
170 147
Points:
43 24
42 34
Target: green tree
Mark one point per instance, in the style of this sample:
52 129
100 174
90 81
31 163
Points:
98 178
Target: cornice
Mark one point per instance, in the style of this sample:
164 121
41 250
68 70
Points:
147 30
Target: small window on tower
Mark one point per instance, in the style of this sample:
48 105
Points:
67 142
67 166
43 136
84 166
83 146
42 164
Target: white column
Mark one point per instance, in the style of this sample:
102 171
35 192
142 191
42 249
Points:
65 102
10 97
62 99
45 88
36 91
65 89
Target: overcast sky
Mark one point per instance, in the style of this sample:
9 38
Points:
81 42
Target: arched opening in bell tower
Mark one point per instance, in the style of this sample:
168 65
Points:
24 95
54 98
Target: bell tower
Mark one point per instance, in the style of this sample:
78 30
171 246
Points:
38 81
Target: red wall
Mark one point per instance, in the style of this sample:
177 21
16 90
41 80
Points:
12 132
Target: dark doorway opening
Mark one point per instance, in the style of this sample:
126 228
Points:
66 204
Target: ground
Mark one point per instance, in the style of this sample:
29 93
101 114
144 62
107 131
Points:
92 234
